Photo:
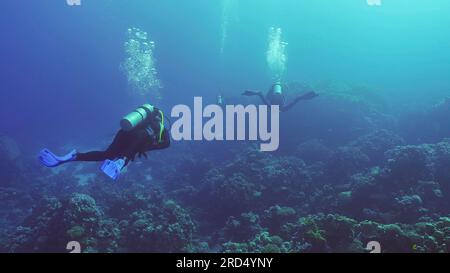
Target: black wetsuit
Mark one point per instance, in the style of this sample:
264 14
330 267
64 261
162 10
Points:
273 98
145 137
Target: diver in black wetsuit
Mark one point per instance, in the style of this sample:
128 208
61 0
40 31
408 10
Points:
142 131
275 96
127 144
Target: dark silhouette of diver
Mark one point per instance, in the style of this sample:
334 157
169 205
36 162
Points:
275 96
142 131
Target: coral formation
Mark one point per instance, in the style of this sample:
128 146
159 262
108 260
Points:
330 194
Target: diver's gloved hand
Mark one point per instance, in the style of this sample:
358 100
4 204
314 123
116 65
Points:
133 156
142 154
130 157
49 159
113 168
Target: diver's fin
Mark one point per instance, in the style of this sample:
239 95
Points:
49 159
112 168
251 93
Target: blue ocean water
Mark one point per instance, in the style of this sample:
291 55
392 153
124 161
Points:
376 69
62 58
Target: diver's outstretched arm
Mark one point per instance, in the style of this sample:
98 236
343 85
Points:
307 96
256 93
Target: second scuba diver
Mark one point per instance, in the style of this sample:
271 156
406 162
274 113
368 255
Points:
141 131
275 96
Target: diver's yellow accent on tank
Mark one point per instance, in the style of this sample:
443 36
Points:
161 126
134 118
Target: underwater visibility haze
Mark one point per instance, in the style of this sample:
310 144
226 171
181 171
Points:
89 149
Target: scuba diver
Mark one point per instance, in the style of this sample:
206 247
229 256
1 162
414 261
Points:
141 131
275 96
220 101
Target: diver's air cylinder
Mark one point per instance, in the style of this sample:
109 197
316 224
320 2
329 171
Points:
277 88
134 118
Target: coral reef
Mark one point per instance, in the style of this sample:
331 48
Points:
348 180
265 180
313 151
375 144
337 233
344 162
428 125
10 159
163 227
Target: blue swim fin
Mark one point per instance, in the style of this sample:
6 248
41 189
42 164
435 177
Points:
49 159
112 168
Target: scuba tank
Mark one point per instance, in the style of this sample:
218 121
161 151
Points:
275 95
134 118
277 88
